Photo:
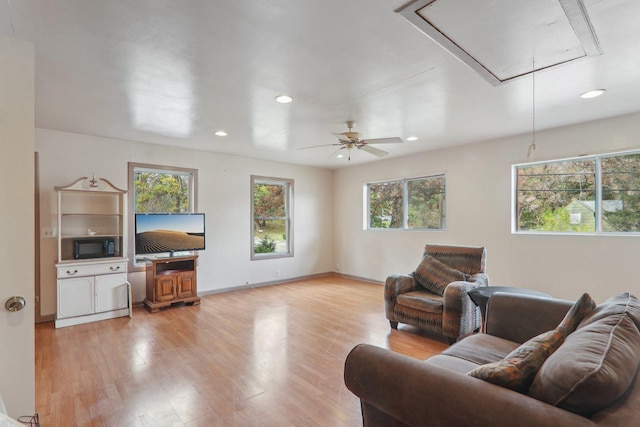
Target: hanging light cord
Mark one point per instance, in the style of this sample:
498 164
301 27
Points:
13 30
532 146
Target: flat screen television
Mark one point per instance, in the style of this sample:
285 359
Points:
160 233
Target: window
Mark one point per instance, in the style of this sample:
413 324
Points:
591 194
271 217
416 203
160 189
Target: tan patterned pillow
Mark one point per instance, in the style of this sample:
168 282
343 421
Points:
518 369
436 275
584 306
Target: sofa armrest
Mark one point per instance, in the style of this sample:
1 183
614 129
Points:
518 317
417 393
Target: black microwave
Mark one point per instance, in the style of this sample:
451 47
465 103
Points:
97 247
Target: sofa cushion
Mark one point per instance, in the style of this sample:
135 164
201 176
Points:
435 275
623 303
596 364
452 363
422 300
518 369
480 349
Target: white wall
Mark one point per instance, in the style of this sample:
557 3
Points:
17 352
224 194
478 180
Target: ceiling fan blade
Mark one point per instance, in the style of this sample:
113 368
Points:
323 145
342 137
394 140
375 151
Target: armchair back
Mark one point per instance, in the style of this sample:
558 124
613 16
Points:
468 259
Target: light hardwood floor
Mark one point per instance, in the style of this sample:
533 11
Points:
269 356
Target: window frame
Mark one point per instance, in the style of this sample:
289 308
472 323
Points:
133 168
598 190
405 203
289 218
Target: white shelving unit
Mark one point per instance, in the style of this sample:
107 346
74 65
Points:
95 288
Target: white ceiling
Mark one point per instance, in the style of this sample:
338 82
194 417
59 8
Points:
173 72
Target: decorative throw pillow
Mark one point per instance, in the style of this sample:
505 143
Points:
518 369
436 275
583 306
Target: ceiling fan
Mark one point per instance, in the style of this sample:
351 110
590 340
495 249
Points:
350 139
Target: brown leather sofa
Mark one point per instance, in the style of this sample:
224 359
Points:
597 364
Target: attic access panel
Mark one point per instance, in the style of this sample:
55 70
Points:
501 39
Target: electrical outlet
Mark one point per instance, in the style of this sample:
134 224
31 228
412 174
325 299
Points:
277 274
337 267
48 233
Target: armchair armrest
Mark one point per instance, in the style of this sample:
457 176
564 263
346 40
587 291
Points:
520 317
418 393
395 285
460 316
482 279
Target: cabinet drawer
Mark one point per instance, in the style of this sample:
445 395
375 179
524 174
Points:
93 269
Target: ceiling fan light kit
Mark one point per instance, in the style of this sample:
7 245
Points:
351 139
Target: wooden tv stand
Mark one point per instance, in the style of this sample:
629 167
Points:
171 280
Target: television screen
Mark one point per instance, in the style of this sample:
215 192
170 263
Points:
158 233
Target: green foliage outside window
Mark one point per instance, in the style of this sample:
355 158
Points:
271 221
265 245
621 182
418 203
158 192
385 205
426 203
563 196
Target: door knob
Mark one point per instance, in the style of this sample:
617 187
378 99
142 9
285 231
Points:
15 303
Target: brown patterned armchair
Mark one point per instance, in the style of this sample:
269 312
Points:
434 296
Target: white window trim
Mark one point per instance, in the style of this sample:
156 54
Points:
289 216
598 196
405 204
193 202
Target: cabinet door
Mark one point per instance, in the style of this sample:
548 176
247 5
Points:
75 297
186 285
111 292
164 289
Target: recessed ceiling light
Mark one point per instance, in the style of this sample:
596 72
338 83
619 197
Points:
221 133
412 138
340 156
284 99
592 93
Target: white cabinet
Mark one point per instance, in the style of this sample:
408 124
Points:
75 297
112 292
92 269
90 291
